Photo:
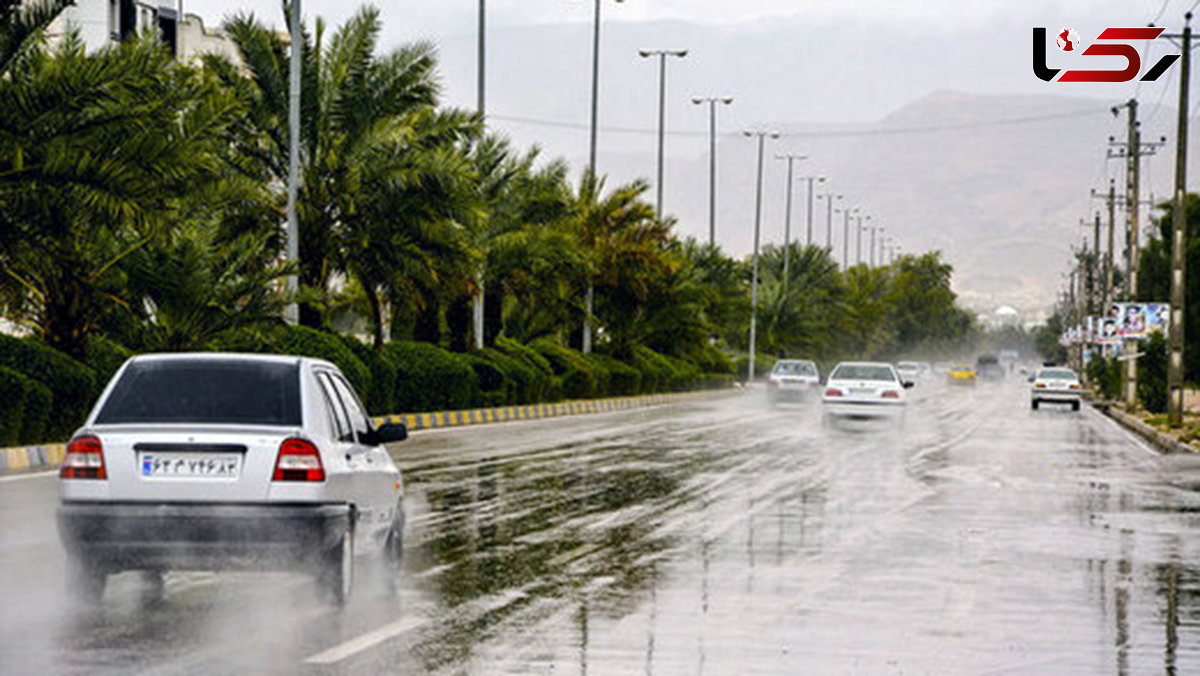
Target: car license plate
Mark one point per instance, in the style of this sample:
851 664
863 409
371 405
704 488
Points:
190 465
861 391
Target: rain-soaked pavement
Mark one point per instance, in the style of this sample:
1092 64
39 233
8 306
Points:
718 537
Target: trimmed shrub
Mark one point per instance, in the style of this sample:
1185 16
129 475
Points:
526 384
623 379
305 342
381 397
532 366
711 359
72 385
576 372
716 381
13 387
763 363
39 402
685 376
657 371
1152 373
429 378
104 356
495 387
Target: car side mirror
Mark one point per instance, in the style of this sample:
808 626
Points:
387 434
908 384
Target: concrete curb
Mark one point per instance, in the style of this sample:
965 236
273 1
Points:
1160 441
48 456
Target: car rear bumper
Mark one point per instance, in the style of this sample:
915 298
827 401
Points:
1056 396
864 410
117 536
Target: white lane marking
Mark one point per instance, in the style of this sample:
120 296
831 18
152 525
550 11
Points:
366 641
23 477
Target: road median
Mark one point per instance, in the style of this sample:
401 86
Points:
1161 441
18 459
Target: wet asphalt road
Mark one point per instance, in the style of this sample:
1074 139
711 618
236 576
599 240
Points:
719 537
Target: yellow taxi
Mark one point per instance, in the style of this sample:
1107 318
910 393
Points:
961 374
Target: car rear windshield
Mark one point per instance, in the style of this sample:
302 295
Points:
863 372
224 391
795 368
1057 374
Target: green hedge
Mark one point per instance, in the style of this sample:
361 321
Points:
104 356
577 373
711 359
657 371
39 403
72 385
623 379
429 378
13 387
763 363
685 375
544 387
495 388
381 397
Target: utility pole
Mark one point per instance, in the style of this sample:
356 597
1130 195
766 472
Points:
662 55
1108 264
787 218
762 138
1175 406
1132 154
712 102
292 312
1094 274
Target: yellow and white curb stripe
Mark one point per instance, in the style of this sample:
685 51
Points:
46 456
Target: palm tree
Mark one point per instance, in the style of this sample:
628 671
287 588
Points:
364 117
95 152
799 315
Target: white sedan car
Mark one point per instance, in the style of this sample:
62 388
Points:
214 461
864 391
1056 386
792 380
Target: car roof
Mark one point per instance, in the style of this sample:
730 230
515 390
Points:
793 361
226 356
864 363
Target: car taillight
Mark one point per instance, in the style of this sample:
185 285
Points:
833 392
1074 386
84 459
891 394
298 460
1040 386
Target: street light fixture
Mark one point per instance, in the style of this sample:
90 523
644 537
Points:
762 137
829 198
712 102
591 290
662 55
787 220
846 213
808 236
858 240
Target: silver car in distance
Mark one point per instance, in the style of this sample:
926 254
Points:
864 391
792 380
226 461
1056 386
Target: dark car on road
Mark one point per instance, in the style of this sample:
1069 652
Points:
988 367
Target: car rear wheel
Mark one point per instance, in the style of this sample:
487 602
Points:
1034 404
337 570
1074 406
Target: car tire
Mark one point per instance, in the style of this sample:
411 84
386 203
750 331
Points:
336 576
393 546
1074 406
86 580
1034 404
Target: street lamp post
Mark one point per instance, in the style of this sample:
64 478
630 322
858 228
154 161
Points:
858 240
846 236
762 137
808 236
662 55
787 220
875 229
712 102
292 311
829 200
590 299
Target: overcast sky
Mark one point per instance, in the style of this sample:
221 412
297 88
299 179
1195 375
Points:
788 63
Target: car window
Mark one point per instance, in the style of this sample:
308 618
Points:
1056 374
341 415
863 372
205 391
795 368
359 422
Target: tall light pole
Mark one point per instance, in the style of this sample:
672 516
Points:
830 198
662 55
846 236
1179 241
874 228
292 312
712 102
808 236
787 219
591 290
480 89
858 240
762 137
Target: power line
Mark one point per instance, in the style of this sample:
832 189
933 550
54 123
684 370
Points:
919 129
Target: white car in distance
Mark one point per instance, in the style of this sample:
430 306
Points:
1056 386
792 380
216 461
864 391
908 371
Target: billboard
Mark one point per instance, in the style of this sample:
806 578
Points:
1125 321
